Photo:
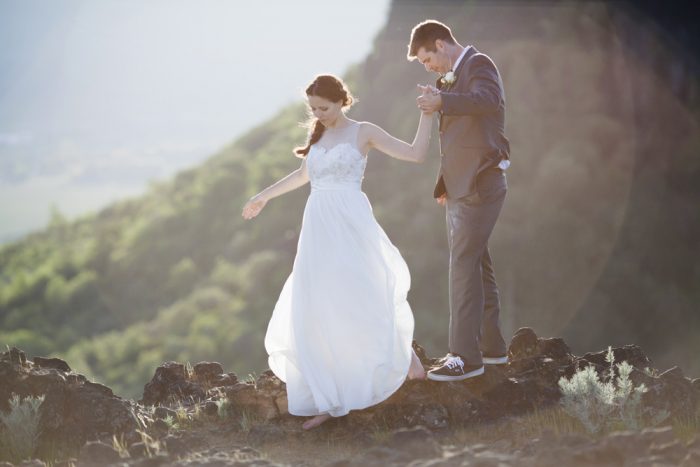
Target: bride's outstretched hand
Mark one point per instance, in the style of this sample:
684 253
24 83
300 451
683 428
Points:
253 207
428 89
426 101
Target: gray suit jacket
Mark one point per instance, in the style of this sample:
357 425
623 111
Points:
472 124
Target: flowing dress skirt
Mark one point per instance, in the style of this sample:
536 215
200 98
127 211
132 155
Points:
340 334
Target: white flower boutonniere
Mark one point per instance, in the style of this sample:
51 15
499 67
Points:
449 78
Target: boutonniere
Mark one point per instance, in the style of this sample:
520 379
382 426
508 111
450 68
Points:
448 78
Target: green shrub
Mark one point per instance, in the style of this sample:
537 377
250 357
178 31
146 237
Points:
607 405
19 437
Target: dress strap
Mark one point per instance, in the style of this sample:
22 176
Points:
354 132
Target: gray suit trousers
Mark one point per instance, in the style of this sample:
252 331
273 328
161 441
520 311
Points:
474 303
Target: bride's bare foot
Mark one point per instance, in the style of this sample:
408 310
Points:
416 370
316 421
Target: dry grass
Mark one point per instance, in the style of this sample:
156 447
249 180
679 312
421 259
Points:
688 426
518 431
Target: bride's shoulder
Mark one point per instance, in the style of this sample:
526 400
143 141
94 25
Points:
365 135
367 128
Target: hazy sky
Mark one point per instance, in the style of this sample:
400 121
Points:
98 97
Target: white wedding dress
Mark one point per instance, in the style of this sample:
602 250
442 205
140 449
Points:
340 334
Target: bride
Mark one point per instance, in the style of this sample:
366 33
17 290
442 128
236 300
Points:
340 334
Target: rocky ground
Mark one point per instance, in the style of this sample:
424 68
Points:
204 416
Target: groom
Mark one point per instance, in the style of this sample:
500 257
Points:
472 185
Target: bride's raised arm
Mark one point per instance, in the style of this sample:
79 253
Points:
417 151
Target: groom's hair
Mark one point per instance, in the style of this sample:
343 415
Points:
425 34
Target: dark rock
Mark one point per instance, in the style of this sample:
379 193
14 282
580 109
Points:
69 416
17 357
268 381
490 382
420 352
75 379
17 376
159 428
671 391
74 409
210 408
170 384
696 384
44 379
641 377
511 396
258 403
77 410
164 412
554 348
523 344
98 453
139 449
55 363
631 354
672 375
226 379
207 371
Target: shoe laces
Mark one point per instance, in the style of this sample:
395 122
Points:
454 362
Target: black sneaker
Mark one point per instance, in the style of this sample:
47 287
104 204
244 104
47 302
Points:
454 369
494 360
442 360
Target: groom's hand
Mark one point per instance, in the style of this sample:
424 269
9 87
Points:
430 100
428 89
442 199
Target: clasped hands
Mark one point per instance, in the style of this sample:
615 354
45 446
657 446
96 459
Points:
430 100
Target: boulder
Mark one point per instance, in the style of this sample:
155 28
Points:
74 411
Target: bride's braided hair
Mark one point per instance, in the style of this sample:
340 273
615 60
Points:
330 88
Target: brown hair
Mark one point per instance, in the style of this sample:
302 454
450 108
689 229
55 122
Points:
425 34
330 88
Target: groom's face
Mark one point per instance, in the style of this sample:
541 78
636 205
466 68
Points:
436 61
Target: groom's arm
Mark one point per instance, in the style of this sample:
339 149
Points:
483 95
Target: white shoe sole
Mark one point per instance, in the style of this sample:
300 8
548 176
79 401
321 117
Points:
477 372
495 360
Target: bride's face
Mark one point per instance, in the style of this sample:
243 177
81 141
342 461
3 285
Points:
323 109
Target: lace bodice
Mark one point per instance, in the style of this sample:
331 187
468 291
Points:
340 166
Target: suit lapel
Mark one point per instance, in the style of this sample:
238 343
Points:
471 50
